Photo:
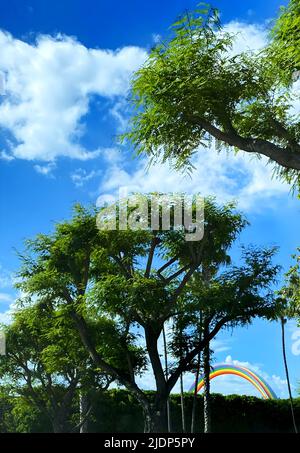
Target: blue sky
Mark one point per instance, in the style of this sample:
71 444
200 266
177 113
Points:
66 67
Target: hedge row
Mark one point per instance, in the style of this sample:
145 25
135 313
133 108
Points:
116 411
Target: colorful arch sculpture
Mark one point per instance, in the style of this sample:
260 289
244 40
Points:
257 381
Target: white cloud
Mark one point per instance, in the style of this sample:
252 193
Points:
4 297
45 170
6 316
220 345
293 329
49 85
248 36
6 278
6 156
6 283
225 175
295 106
81 176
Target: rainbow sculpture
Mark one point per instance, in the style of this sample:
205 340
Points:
257 381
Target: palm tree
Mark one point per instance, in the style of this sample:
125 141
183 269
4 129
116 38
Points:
206 395
193 421
283 322
183 424
198 366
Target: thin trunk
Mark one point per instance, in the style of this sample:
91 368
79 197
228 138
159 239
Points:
182 405
283 321
83 409
193 422
167 376
206 395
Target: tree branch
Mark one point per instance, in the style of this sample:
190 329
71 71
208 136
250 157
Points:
123 268
191 355
285 157
151 342
154 243
99 362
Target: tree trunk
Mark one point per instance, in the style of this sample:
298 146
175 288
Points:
283 321
58 425
182 405
193 421
83 409
156 418
206 395
168 414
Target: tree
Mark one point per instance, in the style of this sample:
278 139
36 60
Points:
282 322
47 365
206 394
197 375
237 293
193 89
290 296
29 368
112 273
285 48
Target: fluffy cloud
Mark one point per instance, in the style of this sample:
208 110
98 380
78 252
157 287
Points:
45 170
248 36
225 175
294 335
48 87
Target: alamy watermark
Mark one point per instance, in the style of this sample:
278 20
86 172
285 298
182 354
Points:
157 212
296 76
296 342
2 343
2 84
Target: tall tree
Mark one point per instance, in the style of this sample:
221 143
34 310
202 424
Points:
193 89
282 322
197 375
206 394
113 273
290 295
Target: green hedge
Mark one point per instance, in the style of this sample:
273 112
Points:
117 411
